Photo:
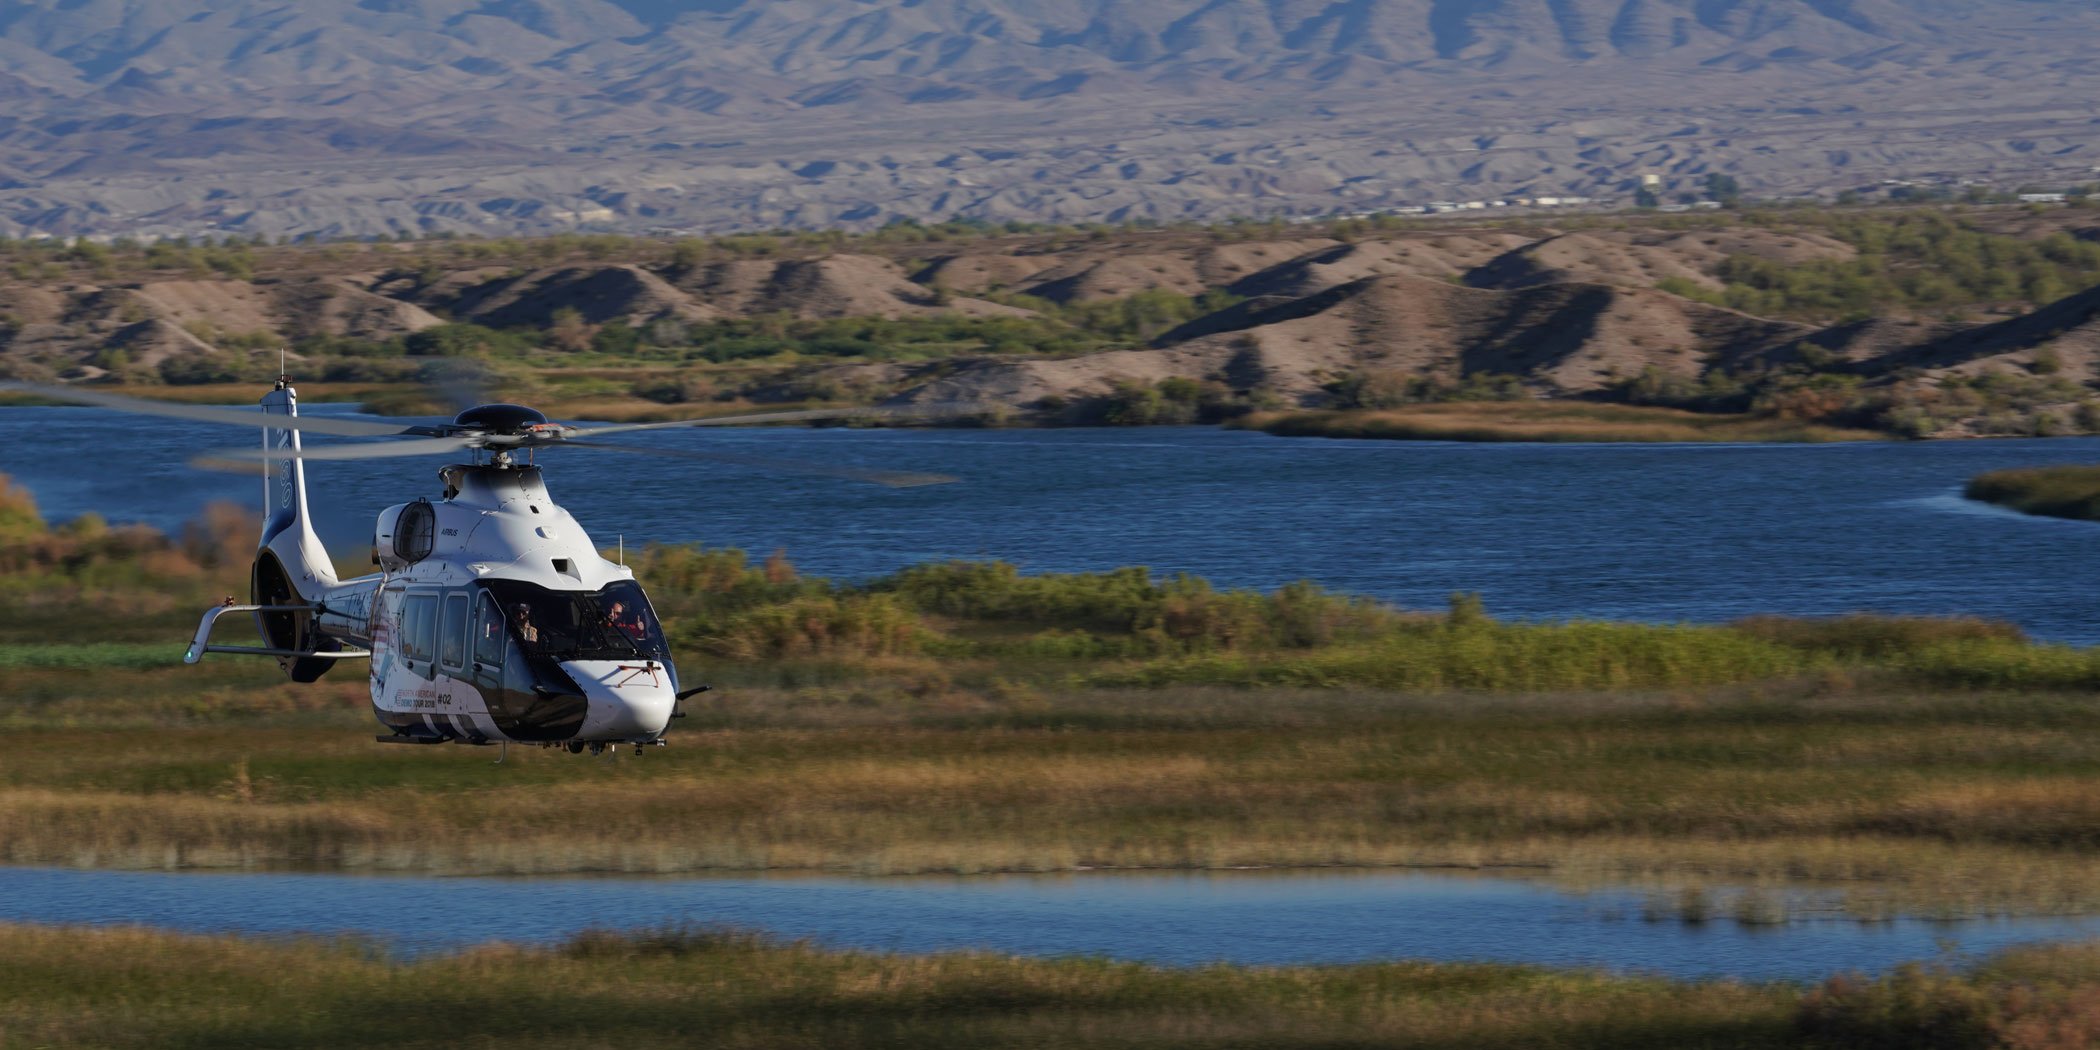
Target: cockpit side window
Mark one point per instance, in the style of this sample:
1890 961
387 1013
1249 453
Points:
627 611
613 624
488 632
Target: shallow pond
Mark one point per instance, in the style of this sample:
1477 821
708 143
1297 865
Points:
1265 918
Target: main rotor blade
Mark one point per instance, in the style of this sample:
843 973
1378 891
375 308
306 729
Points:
896 479
384 450
246 417
800 415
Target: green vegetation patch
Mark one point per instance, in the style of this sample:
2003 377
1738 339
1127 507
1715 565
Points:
92 655
1925 261
2057 492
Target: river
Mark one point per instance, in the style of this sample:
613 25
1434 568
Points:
1701 533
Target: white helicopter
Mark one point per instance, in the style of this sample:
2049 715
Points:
492 619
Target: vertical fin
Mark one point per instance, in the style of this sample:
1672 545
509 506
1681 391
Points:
288 530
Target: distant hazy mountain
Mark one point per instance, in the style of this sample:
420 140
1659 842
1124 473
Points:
483 113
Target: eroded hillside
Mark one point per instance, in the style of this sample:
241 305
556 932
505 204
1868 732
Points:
1923 321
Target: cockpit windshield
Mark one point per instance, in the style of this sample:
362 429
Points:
612 624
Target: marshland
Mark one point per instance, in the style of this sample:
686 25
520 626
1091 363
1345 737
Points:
673 987
967 717
963 717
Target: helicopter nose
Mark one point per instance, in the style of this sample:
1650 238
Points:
627 701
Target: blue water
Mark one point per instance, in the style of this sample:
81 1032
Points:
1661 533
1172 919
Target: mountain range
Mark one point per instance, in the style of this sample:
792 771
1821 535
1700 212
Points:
363 117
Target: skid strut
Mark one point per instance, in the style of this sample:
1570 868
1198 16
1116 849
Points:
202 643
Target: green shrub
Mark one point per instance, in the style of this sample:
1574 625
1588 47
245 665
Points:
1869 637
1179 614
1519 657
851 625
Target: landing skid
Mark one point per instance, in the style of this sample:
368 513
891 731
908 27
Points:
202 643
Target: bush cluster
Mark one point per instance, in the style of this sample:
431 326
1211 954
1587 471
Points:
1923 261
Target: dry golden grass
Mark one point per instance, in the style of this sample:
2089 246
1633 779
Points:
1547 421
1908 801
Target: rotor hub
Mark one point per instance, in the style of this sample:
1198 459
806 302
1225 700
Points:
500 419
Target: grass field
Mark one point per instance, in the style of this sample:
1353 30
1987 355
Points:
140 988
1911 799
1548 421
2057 492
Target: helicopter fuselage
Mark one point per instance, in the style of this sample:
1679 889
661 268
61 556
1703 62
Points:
494 618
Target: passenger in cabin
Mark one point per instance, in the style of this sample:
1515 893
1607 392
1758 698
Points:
521 618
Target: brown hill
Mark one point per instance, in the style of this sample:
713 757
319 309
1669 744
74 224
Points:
628 294
335 306
224 307
1319 270
832 286
1567 338
1116 277
976 274
1642 260
1318 310
2062 338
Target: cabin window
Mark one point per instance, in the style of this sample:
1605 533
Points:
419 628
452 642
415 533
488 633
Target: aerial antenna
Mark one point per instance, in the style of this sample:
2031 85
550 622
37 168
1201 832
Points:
623 550
284 376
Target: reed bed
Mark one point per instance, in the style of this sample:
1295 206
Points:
2057 492
1547 421
68 986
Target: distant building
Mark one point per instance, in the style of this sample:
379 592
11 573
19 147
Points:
2042 198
